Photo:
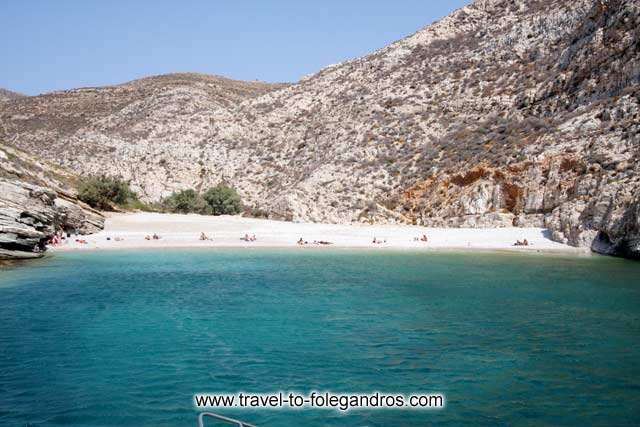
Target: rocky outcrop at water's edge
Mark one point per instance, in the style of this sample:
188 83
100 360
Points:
30 215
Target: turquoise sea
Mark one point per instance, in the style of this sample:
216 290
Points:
127 338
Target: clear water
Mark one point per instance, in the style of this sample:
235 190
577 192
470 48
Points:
126 338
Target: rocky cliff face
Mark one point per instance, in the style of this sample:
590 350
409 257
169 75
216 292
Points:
34 204
505 113
27 217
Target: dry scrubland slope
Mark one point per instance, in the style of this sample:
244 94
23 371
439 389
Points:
503 113
6 95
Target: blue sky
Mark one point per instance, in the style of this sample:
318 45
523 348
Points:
52 45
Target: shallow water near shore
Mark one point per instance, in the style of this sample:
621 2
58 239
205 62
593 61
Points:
126 338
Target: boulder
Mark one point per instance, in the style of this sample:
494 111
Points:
78 216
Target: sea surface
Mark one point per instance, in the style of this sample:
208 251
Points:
127 338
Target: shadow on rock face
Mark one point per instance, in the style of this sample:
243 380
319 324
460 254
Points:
629 248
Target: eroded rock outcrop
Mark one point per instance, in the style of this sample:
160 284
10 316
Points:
28 218
620 234
30 215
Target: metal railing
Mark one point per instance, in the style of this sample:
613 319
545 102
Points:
221 418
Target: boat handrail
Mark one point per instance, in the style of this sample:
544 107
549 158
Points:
221 418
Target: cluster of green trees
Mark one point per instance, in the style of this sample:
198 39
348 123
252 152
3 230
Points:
107 193
218 200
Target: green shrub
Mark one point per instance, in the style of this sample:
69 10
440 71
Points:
186 201
104 192
223 200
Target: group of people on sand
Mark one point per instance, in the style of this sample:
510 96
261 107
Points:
55 240
315 242
525 242
375 241
64 238
154 237
248 238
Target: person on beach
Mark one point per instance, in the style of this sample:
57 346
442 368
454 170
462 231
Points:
156 237
204 236
301 241
424 238
253 238
54 240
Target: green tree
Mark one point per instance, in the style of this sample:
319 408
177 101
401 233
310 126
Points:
104 192
186 201
223 200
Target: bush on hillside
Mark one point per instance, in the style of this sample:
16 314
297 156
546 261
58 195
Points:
104 192
186 201
223 200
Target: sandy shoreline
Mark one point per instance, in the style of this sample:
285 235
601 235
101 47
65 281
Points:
183 231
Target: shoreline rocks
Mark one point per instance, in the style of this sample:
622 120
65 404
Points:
30 215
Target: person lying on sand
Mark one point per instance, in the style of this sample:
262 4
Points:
525 242
322 242
204 236
246 238
147 237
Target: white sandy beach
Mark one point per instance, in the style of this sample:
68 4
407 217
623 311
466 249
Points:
183 231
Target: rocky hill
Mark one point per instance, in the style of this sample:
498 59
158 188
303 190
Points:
6 95
506 112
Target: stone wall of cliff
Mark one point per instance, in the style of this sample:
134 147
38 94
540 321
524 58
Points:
30 215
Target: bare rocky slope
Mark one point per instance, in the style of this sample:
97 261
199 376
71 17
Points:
504 113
